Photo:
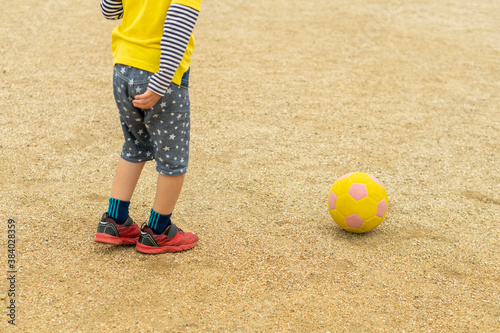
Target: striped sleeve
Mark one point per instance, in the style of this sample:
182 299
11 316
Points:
112 9
177 30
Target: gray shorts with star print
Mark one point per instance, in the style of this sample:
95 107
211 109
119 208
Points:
160 133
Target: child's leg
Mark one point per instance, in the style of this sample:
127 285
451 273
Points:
158 236
168 189
116 227
126 177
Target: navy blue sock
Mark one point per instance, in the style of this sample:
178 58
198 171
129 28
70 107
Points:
118 210
157 222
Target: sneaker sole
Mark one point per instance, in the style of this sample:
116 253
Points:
163 249
108 239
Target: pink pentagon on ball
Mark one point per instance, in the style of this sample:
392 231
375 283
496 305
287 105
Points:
381 208
376 180
358 191
332 201
354 221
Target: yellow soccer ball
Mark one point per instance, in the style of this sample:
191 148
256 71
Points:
358 202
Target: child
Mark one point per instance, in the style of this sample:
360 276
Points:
151 56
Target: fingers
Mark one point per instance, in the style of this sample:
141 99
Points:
142 102
141 96
146 100
141 105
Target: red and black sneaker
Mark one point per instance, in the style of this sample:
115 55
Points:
110 232
173 239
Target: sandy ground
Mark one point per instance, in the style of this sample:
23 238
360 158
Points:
287 96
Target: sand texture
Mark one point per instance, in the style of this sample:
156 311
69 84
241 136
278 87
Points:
287 96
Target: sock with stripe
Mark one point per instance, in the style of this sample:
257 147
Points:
118 210
157 222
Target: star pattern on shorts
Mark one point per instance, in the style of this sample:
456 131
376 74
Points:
160 133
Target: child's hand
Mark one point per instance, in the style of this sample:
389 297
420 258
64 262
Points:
146 100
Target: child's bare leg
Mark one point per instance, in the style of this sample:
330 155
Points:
168 189
116 227
126 177
161 235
